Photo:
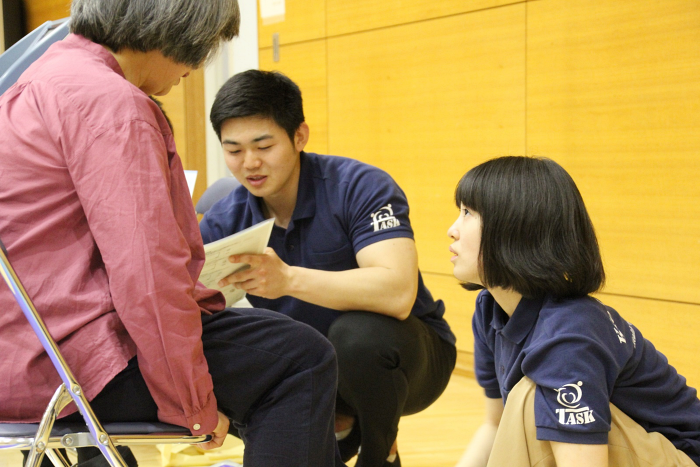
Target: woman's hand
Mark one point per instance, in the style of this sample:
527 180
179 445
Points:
479 449
219 433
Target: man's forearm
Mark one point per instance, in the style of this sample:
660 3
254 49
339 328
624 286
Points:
374 289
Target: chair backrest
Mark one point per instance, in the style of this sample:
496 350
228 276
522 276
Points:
216 191
70 391
17 58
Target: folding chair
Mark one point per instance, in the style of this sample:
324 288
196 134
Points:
17 58
49 435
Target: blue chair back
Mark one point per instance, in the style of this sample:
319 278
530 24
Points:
17 58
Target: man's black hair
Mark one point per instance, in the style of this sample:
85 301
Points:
255 93
536 237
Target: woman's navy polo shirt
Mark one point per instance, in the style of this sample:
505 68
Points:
343 205
583 356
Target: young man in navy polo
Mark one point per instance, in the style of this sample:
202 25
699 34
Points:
341 258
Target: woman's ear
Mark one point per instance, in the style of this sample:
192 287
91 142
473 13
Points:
301 137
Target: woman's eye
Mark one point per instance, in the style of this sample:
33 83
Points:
264 148
465 211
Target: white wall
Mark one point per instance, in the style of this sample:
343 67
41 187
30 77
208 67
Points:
238 55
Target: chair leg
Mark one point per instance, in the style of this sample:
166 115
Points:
60 399
57 458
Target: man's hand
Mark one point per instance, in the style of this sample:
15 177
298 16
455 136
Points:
219 433
386 281
267 277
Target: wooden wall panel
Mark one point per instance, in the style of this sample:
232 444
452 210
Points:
617 103
347 16
174 108
40 11
304 20
2 30
184 105
418 102
427 90
672 328
305 64
196 121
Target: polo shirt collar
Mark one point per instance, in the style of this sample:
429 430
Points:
306 195
255 208
306 200
517 327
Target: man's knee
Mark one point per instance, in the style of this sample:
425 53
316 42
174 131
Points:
361 341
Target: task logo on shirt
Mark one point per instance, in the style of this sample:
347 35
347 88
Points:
384 219
569 396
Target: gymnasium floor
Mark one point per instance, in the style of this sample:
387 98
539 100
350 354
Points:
435 437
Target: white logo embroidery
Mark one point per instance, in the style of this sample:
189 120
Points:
384 219
634 335
569 396
620 336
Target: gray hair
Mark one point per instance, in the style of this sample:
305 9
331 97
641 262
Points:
186 31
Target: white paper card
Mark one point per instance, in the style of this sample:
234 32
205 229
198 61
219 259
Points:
191 177
252 240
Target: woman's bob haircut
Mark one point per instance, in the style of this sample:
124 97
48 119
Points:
186 31
536 236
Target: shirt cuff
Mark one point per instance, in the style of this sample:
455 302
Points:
572 437
202 423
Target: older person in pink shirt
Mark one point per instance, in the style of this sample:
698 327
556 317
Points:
97 219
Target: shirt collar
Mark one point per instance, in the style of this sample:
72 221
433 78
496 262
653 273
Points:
517 327
306 200
96 49
255 207
306 196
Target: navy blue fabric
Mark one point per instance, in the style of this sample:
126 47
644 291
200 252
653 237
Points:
332 221
273 377
583 356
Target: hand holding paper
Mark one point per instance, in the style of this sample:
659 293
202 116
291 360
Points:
267 275
252 240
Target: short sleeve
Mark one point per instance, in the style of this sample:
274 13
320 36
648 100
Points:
484 361
574 364
376 208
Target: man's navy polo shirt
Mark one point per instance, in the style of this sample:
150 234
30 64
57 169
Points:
583 356
343 205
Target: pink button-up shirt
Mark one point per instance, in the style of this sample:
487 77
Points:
96 215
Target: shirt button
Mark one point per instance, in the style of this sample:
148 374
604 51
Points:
503 370
196 426
291 247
